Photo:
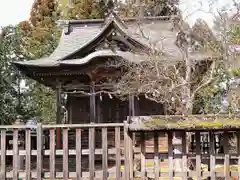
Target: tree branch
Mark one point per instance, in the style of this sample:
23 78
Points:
207 82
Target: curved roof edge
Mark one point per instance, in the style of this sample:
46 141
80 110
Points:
129 56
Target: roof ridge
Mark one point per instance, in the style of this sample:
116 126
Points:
99 21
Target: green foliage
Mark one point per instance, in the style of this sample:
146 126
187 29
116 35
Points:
13 100
40 34
91 9
236 72
44 103
151 8
235 33
39 38
210 99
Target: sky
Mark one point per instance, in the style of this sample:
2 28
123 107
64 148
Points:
14 11
204 9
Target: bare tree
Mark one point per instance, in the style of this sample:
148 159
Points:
175 80
175 76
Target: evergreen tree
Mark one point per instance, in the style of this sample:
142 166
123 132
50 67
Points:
40 33
13 99
39 37
131 8
89 9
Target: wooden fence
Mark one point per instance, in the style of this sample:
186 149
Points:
197 164
131 158
51 155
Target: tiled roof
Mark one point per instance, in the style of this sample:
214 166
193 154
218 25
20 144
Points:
158 33
68 44
161 36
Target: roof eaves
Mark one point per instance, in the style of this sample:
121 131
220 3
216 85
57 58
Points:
36 63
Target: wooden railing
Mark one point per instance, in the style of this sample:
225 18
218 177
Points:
197 164
46 160
111 151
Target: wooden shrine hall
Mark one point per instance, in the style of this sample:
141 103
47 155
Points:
80 64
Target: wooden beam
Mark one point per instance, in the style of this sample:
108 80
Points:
86 87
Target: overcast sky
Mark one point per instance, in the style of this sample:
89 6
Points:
14 11
204 9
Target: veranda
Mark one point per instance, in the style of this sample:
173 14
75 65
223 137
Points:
128 157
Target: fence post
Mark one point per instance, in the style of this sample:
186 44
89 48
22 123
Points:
126 155
226 155
91 153
52 154
156 155
104 153
184 155
238 151
118 153
170 155
39 151
3 154
79 153
130 150
198 155
143 158
212 155
15 154
28 154
65 154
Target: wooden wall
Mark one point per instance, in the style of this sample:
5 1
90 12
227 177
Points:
109 110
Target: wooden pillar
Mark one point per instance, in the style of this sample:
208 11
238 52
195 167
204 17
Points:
99 111
117 111
92 105
136 107
70 110
58 115
131 105
58 104
132 113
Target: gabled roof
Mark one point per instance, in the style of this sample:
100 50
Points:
76 35
153 32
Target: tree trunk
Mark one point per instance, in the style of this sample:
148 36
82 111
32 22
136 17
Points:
177 138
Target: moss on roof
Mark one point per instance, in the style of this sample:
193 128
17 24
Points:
190 123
